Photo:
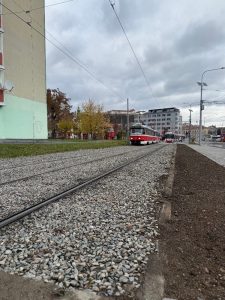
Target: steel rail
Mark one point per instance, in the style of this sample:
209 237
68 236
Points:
38 162
59 169
50 161
25 212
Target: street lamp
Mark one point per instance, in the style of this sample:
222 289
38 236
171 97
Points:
190 110
201 101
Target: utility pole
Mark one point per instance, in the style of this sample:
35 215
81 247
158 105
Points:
201 100
190 110
128 124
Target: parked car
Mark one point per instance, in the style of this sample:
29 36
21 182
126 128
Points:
216 138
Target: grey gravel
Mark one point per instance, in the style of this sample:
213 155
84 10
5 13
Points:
99 238
19 195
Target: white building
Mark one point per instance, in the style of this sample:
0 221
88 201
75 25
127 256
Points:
162 119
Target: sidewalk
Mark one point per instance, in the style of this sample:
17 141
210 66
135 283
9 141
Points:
214 151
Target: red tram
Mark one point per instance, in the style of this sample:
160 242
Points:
170 137
143 135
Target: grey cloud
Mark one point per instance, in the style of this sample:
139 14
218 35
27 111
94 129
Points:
175 42
201 38
132 14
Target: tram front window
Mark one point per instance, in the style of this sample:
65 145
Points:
137 131
169 136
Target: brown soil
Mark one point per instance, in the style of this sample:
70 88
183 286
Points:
194 239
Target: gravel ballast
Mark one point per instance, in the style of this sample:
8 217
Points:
98 238
21 194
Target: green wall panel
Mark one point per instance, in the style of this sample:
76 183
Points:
23 119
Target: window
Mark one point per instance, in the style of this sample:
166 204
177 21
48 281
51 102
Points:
168 114
163 115
168 119
158 119
159 115
163 119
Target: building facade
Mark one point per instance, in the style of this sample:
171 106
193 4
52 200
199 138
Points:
162 119
118 118
23 106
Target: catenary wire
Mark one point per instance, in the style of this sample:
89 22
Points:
65 53
132 49
221 91
35 21
36 8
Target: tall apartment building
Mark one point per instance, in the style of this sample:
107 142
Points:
162 119
23 107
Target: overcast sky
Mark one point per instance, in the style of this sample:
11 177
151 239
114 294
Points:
174 41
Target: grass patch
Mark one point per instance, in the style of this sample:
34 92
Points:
16 150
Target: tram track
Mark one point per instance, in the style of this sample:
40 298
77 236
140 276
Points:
27 211
43 161
62 168
38 162
89 239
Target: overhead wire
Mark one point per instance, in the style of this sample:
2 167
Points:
36 8
221 91
131 47
81 65
41 26
216 99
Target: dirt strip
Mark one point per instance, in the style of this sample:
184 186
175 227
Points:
193 241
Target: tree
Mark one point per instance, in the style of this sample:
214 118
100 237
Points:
65 126
92 120
59 109
76 123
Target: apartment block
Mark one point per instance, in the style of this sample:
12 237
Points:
23 104
162 119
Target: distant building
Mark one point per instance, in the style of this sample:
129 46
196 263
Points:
118 118
23 107
192 130
212 130
162 119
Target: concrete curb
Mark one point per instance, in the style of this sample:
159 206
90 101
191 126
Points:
165 213
153 287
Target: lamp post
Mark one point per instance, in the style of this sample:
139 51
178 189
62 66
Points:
128 123
201 101
190 110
